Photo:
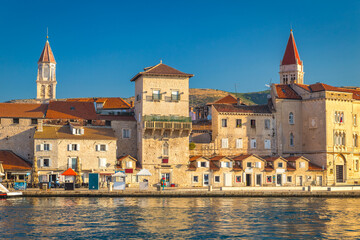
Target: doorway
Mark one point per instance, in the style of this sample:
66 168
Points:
258 179
227 179
248 180
340 173
319 180
206 180
299 180
166 176
279 179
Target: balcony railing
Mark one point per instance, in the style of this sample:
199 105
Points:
157 118
167 125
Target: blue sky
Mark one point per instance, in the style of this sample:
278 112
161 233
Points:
100 45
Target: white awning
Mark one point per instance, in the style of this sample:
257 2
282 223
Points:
119 174
144 172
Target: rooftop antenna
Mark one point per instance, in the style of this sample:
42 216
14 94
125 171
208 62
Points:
47 33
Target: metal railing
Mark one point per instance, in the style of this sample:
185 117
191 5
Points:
158 118
167 125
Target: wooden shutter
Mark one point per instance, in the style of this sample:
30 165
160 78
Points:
106 147
69 147
207 164
50 146
74 131
78 147
82 131
69 162
231 164
97 147
41 162
198 164
41 147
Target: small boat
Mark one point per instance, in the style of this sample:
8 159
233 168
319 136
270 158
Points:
5 193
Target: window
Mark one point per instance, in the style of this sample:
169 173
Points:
289 178
217 179
45 162
138 97
102 162
238 178
224 143
72 162
253 143
268 179
267 144
156 96
224 122
16 121
292 78
165 149
339 117
291 139
107 123
285 79
356 165
252 123
101 147
175 96
47 147
267 124
34 121
165 160
73 147
195 179
258 164
301 164
280 165
226 164
126 133
239 143
248 164
203 164
238 123
128 164
291 118
355 120
356 143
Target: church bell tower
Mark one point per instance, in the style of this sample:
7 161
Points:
46 77
291 67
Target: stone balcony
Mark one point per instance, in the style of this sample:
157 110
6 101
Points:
167 124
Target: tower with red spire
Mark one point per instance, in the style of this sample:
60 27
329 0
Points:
291 67
46 78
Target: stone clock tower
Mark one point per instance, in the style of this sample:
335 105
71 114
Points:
46 77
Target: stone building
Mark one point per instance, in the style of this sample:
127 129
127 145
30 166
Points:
163 123
58 148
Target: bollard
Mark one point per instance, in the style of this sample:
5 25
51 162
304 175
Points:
210 188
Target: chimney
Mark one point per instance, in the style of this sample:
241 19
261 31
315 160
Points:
40 125
238 101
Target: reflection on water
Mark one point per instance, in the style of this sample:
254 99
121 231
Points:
179 218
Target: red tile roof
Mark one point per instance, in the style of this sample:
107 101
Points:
214 167
47 55
304 86
294 158
127 156
273 158
11 161
162 70
71 110
286 92
108 103
216 158
291 55
269 168
290 167
241 157
229 99
242 108
314 167
22 110
194 158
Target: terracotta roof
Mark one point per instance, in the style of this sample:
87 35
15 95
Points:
286 92
69 172
22 110
291 55
290 167
63 132
269 168
318 87
214 167
127 156
314 167
242 108
241 157
71 110
304 86
108 103
237 168
11 161
161 69
47 55
194 158
273 158
229 99
216 158
116 118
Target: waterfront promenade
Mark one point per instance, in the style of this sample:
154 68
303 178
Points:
346 191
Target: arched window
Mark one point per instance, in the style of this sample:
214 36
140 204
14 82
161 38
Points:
355 136
50 91
342 117
336 117
42 92
335 138
343 139
291 139
291 118
166 149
